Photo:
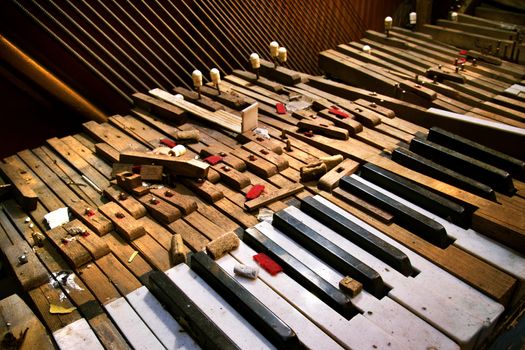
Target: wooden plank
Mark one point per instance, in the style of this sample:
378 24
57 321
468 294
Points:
280 162
123 251
17 318
23 192
205 189
157 107
88 155
192 238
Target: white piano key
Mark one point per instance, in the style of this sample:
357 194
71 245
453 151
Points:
468 323
471 241
159 321
357 333
309 334
408 329
77 335
132 326
217 309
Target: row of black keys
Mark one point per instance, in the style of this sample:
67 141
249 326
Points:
208 335
462 163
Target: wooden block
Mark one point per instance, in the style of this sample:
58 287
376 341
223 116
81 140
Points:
325 128
263 82
190 168
228 159
125 224
18 320
350 286
205 189
177 251
67 243
130 204
232 177
375 107
234 101
24 194
91 217
108 333
191 237
159 209
151 172
331 179
203 101
349 124
95 245
260 153
222 245
139 191
128 180
276 195
280 74
186 204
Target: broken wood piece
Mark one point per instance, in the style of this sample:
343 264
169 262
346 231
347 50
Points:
331 179
124 223
222 245
177 251
190 168
312 171
91 217
350 286
325 128
130 204
128 180
151 172
186 204
24 194
159 209
186 135
118 168
332 161
271 197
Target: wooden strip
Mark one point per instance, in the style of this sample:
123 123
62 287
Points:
160 209
190 168
70 248
95 245
88 155
130 204
273 196
91 217
126 225
192 238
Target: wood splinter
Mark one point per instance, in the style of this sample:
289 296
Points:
177 251
222 245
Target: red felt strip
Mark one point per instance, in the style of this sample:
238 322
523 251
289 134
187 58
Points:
338 113
462 60
168 142
213 159
281 108
268 264
255 192
463 52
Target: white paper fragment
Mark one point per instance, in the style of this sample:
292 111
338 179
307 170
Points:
57 217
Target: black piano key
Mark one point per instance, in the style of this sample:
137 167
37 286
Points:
437 171
498 179
473 149
416 222
416 194
303 275
336 257
263 319
203 330
358 235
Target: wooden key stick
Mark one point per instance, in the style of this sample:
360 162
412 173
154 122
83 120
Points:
331 179
69 246
151 172
191 168
186 204
271 197
205 189
24 194
130 204
177 251
159 209
325 128
91 217
125 224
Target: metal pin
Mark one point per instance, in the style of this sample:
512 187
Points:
92 184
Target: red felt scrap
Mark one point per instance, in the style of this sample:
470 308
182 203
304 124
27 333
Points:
268 264
463 52
255 192
280 107
462 60
338 113
213 159
168 142
90 213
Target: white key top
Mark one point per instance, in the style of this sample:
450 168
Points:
159 321
217 309
132 326
407 328
358 333
471 241
308 333
77 335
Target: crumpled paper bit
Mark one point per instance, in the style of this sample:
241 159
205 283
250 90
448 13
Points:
57 217
265 214
262 132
